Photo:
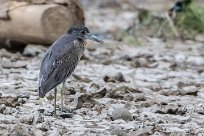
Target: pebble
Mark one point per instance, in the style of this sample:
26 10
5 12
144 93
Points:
44 126
122 113
189 90
27 119
118 131
32 50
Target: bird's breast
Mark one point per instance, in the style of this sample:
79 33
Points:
79 45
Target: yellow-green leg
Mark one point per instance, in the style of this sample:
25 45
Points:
62 96
55 106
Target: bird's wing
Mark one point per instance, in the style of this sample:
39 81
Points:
59 62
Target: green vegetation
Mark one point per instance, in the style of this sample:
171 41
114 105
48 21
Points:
191 20
185 25
130 39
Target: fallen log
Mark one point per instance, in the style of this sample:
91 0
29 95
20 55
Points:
39 23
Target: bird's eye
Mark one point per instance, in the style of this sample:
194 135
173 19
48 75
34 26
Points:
83 32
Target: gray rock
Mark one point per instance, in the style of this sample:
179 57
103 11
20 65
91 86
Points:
9 110
21 130
118 77
38 132
2 108
44 126
142 132
32 50
27 119
200 38
118 131
54 133
122 113
39 118
189 90
167 109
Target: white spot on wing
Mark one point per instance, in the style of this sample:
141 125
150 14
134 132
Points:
75 42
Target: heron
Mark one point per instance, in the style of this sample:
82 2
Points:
179 6
61 59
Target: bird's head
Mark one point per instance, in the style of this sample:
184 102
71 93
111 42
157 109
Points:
82 32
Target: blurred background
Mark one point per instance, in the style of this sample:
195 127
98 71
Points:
128 21
151 64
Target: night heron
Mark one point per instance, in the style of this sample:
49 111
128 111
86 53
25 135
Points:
179 6
61 59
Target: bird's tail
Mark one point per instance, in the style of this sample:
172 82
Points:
41 92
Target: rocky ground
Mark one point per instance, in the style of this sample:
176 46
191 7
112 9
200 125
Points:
117 89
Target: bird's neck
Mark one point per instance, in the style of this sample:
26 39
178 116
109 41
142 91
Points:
80 40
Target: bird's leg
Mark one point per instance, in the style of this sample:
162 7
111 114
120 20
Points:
55 95
62 96
63 114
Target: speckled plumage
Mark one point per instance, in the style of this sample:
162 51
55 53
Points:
59 62
61 59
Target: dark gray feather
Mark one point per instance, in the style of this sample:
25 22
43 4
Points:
59 62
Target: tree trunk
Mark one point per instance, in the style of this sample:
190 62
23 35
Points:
39 23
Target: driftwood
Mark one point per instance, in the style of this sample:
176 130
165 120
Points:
38 23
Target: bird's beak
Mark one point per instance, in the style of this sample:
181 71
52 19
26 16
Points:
93 37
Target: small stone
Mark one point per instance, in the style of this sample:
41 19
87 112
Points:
84 100
180 58
10 101
38 132
41 110
127 58
122 113
139 97
91 48
128 97
142 132
201 93
189 90
118 131
20 100
2 108
44 126
32 50
24 95
16 65
9 110
85 57
141 62
21 130
120 77
49 96
116 78
108 79
63 130
66 115
54 133
167 109
100 94
95 86
27 119
40 118
82 79
200 38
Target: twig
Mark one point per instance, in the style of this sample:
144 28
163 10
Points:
171 24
